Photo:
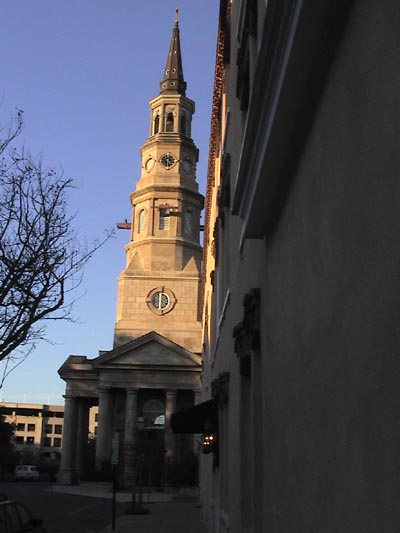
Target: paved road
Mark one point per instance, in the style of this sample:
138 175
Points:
62 513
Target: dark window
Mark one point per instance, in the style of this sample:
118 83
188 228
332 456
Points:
96 417
20 427
31 427
57 442
19 440
27 412
53 414
48 428
58 429
47 441
157 124
95 430
30 440
243 85
164 219
154 412
160 300
170 122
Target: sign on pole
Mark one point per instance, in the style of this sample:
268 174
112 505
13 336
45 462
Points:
115 448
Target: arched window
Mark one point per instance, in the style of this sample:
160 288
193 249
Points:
154 413
142 220
164 218
157 124
169 125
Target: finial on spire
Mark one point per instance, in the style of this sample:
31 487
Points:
177 14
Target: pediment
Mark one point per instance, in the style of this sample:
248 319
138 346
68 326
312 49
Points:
77 365
149 350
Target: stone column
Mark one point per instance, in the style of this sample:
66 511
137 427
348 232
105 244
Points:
170 408
131 414
104 431
82 434
67 473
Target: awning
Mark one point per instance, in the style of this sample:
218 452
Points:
196 419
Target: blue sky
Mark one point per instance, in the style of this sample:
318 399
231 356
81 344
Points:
83 72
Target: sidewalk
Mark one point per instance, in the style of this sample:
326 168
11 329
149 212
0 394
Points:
169 512
168 517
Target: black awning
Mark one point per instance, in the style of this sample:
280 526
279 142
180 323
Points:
195 419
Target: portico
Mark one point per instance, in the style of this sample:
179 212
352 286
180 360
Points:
125 385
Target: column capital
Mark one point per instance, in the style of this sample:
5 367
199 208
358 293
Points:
69 397
104 390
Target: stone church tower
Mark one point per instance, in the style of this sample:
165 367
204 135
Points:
159 288
154 367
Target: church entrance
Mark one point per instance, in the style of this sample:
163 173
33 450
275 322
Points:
151 440
152 457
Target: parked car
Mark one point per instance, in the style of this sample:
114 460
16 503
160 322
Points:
15 518
29 472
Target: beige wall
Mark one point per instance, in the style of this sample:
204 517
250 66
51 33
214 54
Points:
308 440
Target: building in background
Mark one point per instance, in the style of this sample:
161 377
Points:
301 269
38 431
155 364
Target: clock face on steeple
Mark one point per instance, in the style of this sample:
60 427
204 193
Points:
168 160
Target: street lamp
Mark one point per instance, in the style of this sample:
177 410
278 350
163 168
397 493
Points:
140 423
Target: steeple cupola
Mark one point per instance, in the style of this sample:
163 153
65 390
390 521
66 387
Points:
173 81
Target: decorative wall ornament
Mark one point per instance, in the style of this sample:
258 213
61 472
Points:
220 388
161 300
247 332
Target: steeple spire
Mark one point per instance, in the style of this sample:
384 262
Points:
173 81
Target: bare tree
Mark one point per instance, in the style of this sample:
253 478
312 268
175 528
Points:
41 257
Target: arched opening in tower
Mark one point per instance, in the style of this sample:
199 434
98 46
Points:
170 122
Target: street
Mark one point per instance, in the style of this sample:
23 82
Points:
62 513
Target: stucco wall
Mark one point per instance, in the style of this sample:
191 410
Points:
331 301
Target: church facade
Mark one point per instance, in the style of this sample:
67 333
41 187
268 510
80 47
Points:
155 364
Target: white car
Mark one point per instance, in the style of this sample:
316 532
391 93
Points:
29 472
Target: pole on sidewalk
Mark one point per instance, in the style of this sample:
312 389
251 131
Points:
114 462
113 497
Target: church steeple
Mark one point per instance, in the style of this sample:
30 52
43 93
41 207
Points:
173 82
159 289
